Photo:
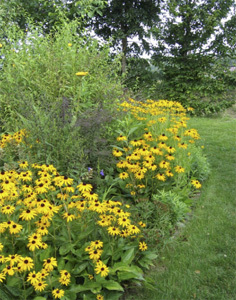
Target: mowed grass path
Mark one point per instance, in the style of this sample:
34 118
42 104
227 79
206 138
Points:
201 263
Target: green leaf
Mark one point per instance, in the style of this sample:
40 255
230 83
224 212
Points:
113 286
71 295
45 253
64 249
90 286
80 267
128 256
13 290
130 272
13 281
39 298
3 295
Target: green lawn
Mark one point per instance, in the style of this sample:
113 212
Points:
201 262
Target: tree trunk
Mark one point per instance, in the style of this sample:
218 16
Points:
124 51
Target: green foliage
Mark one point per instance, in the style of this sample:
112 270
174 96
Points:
52 224
121 20
192 74
48 14
41 92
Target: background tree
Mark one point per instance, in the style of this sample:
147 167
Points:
48 13
122 20
190 41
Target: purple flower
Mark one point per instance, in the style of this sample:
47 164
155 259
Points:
102 173
89 169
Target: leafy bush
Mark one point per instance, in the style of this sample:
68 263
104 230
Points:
59 240
51 85
154 150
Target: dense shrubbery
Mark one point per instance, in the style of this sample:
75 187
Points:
88 179
44 90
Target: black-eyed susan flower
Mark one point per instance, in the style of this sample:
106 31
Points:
69 217
7 209
121 138
161 177
96 244
58 294
196 184
90 195
164 164
28 214
142 246
26 263
64 277
25 176
13 259
84 187
33 278
123 175
49 264
124 221
133 229
169 173
182 145
100 297
162 137
40 286
95 254
179 169
9 270
101 269
117 152
112 230
24 164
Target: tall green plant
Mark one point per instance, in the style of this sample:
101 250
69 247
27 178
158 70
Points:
48 86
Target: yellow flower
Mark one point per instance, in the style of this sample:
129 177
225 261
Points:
23 164
99 297
121 138
179 169
117 152
0 45
40 286
69 217
96 244
26 263
49 264
58 294
2 277
69 44
161 177
8 209
83 187
95 254
101 268
123 175
113 230
33 277
196 183
133 229
81 73
142 246
28 214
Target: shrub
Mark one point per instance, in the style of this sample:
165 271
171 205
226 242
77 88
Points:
50 85
59 240
154 150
